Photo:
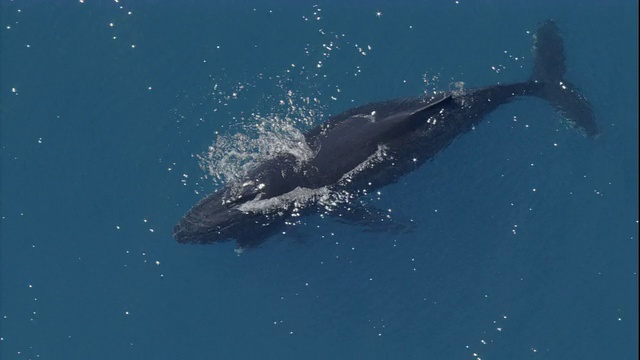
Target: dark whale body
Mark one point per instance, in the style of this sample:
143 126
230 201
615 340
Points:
365 148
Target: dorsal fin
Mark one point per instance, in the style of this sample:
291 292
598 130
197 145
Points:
431 105
419 116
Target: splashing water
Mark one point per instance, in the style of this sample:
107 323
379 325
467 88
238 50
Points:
232 156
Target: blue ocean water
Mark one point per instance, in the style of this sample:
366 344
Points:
524 236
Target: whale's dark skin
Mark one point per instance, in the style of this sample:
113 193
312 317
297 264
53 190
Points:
391 138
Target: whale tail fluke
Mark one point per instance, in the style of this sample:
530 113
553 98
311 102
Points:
550 84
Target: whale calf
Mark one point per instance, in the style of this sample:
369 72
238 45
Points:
365 148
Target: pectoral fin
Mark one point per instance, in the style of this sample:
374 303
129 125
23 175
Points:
370 218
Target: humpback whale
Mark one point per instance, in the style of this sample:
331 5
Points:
370 146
